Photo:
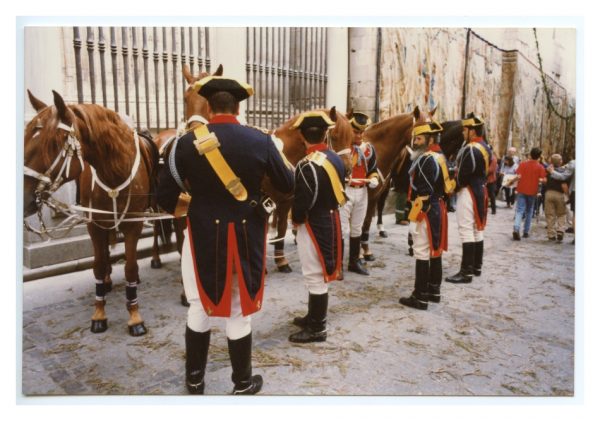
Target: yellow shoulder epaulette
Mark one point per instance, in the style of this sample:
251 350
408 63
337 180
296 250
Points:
485 153
449 184
320 159
207 144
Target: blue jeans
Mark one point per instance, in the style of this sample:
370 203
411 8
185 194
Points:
525 205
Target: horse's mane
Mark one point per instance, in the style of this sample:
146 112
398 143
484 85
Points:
107 137
49 144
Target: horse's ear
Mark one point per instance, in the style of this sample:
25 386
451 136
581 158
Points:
349 113
187 74
59 102
35 103
416 112
471 115
333 114
219 71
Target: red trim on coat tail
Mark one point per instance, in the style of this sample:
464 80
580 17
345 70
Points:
326 276
249 306
478 223
223 309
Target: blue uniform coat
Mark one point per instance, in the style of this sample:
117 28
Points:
226 234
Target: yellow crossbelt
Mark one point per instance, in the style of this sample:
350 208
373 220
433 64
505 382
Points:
321 160
207 144
484 152
449 184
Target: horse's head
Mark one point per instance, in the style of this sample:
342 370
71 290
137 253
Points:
196 106
452 137
52 153
340 136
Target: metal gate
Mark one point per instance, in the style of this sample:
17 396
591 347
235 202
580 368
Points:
158 103
288 69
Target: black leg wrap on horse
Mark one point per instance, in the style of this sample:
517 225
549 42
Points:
131 293
196 353
100 289
240 354
314 328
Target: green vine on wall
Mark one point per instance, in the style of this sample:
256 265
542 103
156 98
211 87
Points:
546 90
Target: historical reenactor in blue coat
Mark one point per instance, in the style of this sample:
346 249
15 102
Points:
472 162
429 182
318 194
221 165
364 175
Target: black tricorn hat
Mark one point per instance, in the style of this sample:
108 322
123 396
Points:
313 119
360 121
428 128
472 121
210 85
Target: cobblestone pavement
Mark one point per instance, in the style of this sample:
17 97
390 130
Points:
509 333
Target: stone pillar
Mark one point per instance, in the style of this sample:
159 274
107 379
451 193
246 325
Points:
363 69
229 46
337 68
506 105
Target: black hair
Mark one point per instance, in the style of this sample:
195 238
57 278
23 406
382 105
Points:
223 102
479 130
314 134
535 153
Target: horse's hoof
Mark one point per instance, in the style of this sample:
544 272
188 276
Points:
284 269
155 264
99 326
369 257
184 301
138 329
383 234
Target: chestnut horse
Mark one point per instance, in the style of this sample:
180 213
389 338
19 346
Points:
389 138
339 139
116 170
195 112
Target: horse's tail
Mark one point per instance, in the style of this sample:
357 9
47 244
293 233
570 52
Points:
152 160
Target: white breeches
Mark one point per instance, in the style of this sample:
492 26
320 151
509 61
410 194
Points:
421 246
352 214
236 325
465 216
311 264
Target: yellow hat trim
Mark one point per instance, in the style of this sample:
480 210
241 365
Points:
433 127
321 114
471 122
199 84
359 126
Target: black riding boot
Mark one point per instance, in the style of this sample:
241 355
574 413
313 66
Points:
314 325
418 298
196 352
465 275
478 264
240 354
435 280
354 264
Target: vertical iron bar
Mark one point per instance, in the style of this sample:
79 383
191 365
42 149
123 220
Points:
292 72
378 74
135 52
156 57
145 55
102 49
265 100
183 61
174 57
254 71
90 50
260 76
465 75
321 68
113 54
248 68
125 53
191 55
165 59
77 48
325 68
304 46
311 53
272 96
279 72
207 39
200 51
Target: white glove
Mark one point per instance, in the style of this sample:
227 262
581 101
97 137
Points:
373 182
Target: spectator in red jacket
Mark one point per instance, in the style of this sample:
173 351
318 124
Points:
529 175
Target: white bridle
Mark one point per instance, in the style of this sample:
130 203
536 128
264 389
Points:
71 147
